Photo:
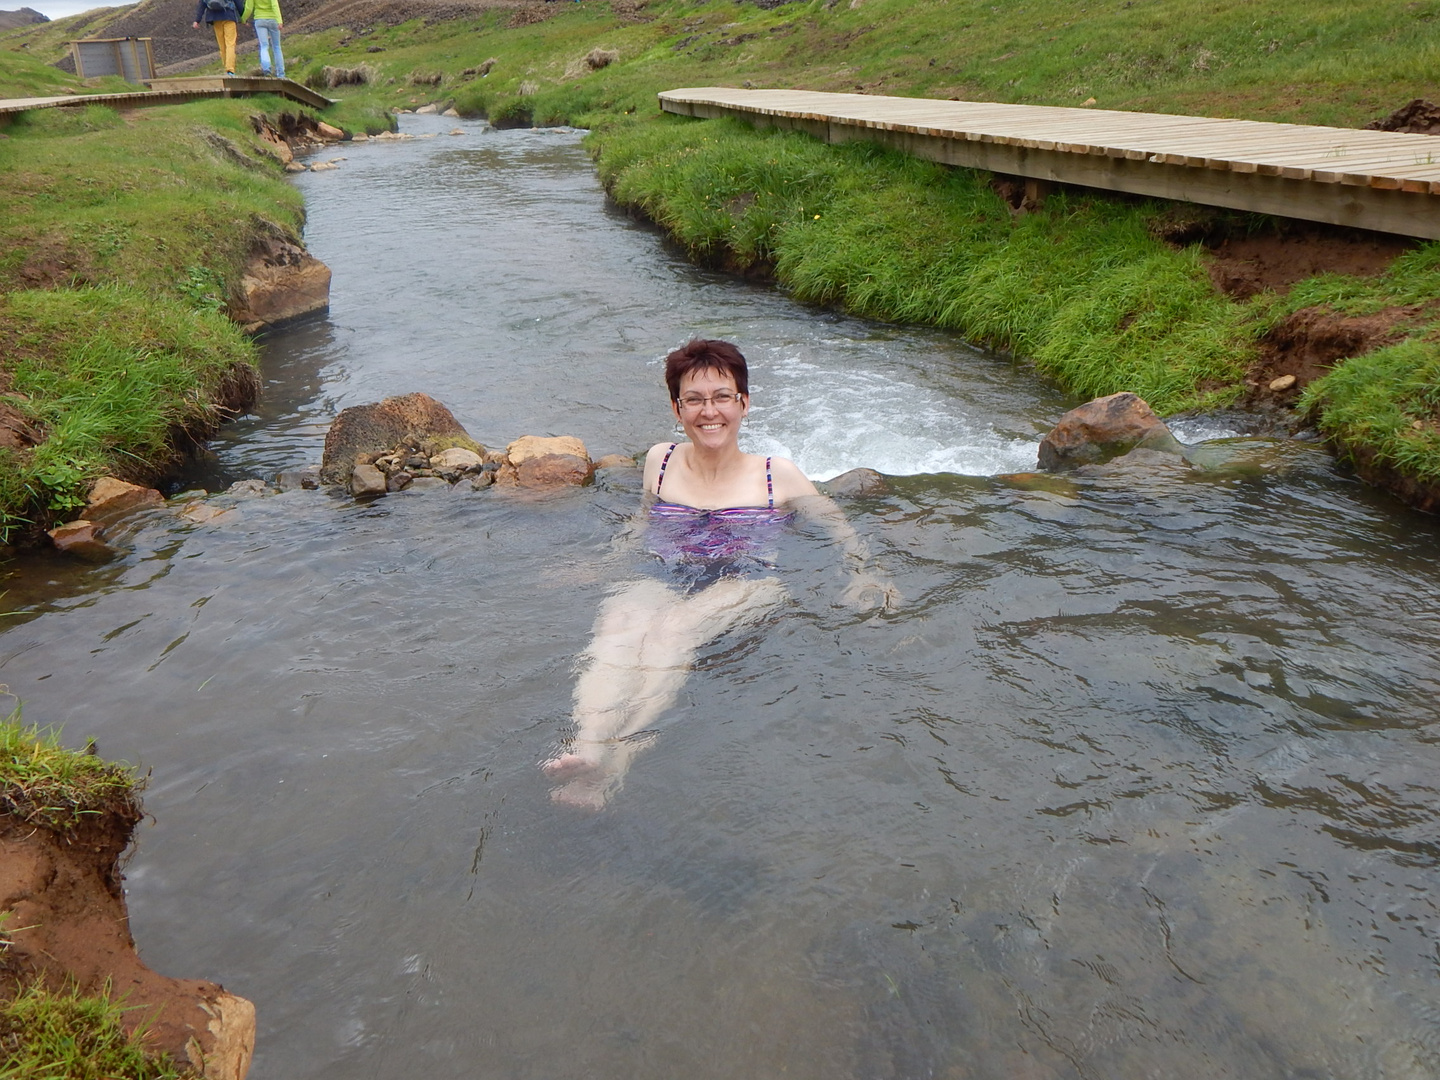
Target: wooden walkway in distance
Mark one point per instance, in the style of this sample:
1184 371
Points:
1379 180
174 92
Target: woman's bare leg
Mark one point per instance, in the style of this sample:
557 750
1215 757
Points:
645 640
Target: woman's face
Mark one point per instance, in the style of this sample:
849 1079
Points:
706 422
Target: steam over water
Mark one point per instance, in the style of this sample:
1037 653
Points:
1140 781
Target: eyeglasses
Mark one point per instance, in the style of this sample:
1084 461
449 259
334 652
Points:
720 399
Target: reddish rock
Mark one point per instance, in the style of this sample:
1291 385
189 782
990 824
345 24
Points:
554 470
616 461
112 499
534 446
375 429
1102 429
82 540
535 462
366 481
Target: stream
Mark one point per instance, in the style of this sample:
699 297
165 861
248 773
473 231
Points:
1143 778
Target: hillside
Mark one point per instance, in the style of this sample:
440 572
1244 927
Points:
176 46
24 17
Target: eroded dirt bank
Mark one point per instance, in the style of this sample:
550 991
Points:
70 925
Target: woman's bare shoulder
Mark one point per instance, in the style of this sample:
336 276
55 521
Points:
654 457
790 482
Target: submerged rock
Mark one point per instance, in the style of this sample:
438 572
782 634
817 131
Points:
307 478
200 512
858 484
1103 429
112 499
249 488
81 539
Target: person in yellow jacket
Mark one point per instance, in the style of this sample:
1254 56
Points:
268 21
221 17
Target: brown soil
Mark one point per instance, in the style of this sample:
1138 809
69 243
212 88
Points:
1419 117
1312 340
1244 266
70 925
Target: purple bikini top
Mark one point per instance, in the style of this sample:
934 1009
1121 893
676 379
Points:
679 532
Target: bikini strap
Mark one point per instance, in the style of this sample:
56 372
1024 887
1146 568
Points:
661 478
769 484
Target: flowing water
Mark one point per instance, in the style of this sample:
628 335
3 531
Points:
1142 780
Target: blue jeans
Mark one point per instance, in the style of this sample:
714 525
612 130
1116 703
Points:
267 33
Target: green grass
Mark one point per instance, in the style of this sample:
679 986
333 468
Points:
109 372
44 783
1328 62
1388 402
63 1035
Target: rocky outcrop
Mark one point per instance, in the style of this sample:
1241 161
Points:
414 443
66 901
281 281
1103 429
372 431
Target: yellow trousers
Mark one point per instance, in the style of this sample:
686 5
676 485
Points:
225 33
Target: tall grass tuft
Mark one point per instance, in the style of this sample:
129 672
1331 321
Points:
1388 402
44 783
63 1035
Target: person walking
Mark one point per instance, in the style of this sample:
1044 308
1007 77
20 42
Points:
223 18
268 21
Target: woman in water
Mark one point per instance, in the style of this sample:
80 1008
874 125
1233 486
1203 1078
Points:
712 519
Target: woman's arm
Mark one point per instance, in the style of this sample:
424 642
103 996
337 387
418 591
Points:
868 587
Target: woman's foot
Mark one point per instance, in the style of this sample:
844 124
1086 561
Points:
568 765
586 793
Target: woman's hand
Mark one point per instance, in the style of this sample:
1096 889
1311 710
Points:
195 26
866 591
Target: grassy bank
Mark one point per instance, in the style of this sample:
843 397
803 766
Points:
46 1031
42 783
122 242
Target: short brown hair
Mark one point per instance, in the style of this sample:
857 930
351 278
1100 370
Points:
700 354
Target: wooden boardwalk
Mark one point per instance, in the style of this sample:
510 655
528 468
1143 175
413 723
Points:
175 92
1376 180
